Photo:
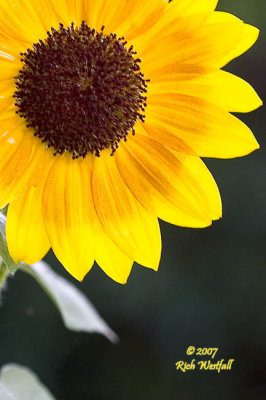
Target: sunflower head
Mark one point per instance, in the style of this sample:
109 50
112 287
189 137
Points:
72 92
80 90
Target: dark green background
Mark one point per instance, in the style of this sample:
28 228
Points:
209 291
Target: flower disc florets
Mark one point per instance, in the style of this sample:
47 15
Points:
80 90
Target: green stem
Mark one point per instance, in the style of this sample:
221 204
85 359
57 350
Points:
3 274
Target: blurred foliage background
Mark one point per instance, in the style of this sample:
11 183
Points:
209 292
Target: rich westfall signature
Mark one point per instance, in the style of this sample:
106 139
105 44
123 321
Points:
204 365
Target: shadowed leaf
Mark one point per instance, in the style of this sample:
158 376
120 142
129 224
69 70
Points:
19 383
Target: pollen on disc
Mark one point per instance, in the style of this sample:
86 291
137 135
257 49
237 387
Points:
80 90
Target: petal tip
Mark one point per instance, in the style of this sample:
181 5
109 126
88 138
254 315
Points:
79 277
254 146
155 266
256 102
78 274
122 281
260 102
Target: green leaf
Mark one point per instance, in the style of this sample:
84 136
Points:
77 312
12 267
19 383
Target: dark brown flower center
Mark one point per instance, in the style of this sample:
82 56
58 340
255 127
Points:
81 90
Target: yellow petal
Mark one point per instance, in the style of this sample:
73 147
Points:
162 182
26 235
7 86
6 95
125 18
248 37
145 16
168 18
205 179
213 45
116 264
220 87
69 11
68 214
6 56
17 149
18 19
42 13
189 7
9 70
11 47
160 25
162 134
134 230
173 46
175 72
206 128
8 114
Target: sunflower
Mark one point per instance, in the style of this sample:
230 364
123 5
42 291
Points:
106 108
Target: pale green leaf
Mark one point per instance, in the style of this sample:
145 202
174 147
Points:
4 254
77 312
20 383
